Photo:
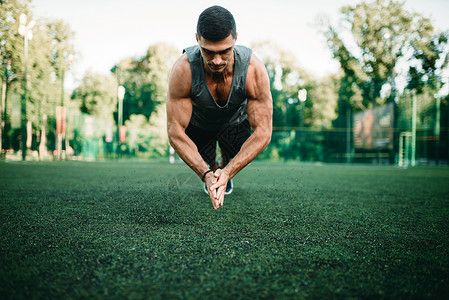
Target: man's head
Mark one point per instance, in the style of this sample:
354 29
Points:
216 36
216 23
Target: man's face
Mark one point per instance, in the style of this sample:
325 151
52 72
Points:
216 55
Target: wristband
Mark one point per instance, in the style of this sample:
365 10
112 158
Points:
205 173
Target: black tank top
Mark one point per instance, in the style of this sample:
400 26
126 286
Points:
207 114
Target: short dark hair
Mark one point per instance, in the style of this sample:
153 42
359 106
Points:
216 23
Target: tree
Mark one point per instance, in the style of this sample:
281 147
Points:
430 58
323 98
140 138
286 79
374 44
50 37
61 57
62 48
97 96
161 58
138 99
11 54
42 89
146 84
377 36
11 43
145 79
291 115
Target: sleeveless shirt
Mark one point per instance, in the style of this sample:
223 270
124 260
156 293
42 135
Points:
206 113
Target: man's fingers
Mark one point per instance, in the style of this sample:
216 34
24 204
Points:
220 192
218 187
217 184
212 192
216 196
220 201
215 203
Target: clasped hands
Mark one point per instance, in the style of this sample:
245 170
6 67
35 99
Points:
216 185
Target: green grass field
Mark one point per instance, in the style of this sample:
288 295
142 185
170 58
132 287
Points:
289 231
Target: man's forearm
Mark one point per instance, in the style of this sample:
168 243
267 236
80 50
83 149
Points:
188 152
255 144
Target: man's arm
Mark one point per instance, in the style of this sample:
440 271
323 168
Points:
260 113
179 112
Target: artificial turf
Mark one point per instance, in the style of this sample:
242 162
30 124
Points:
146 230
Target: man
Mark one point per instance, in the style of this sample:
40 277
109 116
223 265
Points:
217 92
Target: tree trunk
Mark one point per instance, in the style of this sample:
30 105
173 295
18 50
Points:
2 125
43 152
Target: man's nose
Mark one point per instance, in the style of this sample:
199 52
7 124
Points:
217 60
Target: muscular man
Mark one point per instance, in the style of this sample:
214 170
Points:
218 92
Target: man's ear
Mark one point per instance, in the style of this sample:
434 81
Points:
196 36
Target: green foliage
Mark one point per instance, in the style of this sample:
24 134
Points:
379 43
62 49
378 35
11 42
44 92
289 113
323 97
138 91
431 57
145 80
286 80
140 138
97 95
48 52
159 61
146 85
425 109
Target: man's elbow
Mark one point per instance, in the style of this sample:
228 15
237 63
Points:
173 134
265 137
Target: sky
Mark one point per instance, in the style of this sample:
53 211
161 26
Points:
106 31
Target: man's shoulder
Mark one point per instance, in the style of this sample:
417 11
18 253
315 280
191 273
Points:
182 64
256 65
256 78
181 77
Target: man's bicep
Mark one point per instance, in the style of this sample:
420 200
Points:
179 111
260 113
260 103
179 103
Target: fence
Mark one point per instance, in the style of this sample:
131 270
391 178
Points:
90 139
337 145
